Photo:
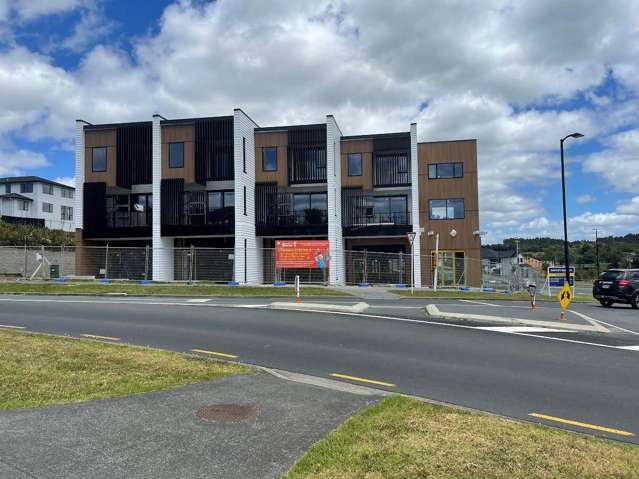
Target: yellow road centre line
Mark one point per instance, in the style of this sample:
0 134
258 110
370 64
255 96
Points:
214 353
95 336
11 327
581 424
363 380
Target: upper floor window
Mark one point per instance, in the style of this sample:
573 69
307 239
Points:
445 170
47 208
354 164
67 193
7 188
219 200
452 209
66 213
99 159
176 155
26 187
269 158
47 189
23 205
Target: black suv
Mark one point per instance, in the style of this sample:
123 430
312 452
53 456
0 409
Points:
617 286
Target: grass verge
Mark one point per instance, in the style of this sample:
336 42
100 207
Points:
38 370
405 438
523 296
163 289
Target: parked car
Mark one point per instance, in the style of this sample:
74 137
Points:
617 286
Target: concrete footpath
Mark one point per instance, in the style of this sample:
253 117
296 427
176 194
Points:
161 434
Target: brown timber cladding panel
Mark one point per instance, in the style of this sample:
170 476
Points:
466 188
99 138
278 139
365 147
179 134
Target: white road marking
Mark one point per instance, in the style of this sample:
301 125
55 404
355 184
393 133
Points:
198 300
629 348
522 329
615 326
481 302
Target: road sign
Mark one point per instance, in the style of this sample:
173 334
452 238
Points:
565 296
557 276
411 236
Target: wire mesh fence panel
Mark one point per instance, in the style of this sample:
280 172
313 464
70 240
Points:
204 264
364 267
13 261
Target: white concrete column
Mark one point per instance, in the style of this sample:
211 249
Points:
414 174
78 209
248 253
163 256
334 187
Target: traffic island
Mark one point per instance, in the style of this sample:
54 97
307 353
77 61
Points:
405 438
541 318
320 307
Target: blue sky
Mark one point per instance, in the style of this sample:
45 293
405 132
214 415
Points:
515 75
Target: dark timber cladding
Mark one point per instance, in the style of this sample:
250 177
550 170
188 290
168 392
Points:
307 154
134 154
94 203
214 149
391 160
172 200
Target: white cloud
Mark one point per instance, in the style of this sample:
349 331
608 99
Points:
66 180
492 70
15 162
585 198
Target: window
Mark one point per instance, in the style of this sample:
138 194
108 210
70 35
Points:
310 208
67 213
354 164
388 209
23 205
245 201
67 193
220 207
244 154
452 209
99 159
176 155
269 158
445 170
26 187
47 208
47 189
7 188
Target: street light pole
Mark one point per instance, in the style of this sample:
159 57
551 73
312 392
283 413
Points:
563 195
597 250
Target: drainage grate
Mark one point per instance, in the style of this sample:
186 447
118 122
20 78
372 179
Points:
228 413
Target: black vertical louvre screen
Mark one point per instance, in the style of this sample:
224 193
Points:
265 207
172 200
134 155
307 154
94 205
214 149
354 204
391 160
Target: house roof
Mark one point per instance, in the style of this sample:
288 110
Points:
489 253
15 196
32 179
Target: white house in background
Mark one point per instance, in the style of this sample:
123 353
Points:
37 201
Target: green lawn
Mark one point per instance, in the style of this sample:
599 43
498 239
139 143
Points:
455 294
408 439
164 289
37 370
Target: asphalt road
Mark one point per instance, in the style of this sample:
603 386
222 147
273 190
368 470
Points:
509 374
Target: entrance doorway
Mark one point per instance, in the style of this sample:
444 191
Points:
452 268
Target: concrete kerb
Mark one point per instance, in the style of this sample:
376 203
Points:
320 307
434 312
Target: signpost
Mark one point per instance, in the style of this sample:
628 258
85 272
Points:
532 291
411 239
565 297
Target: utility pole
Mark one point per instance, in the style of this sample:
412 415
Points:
597 250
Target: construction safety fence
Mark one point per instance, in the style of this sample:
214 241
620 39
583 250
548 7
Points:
217 265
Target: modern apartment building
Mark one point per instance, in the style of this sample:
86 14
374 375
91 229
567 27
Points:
226 182
37 201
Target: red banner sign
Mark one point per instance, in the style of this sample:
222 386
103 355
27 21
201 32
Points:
301 254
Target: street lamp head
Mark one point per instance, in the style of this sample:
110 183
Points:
576 135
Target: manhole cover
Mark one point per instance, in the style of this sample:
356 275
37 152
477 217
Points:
228 413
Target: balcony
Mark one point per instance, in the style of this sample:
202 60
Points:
202 213
367 215
290 214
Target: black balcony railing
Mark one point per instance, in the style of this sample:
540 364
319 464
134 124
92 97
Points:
290 213
366 214
126 219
